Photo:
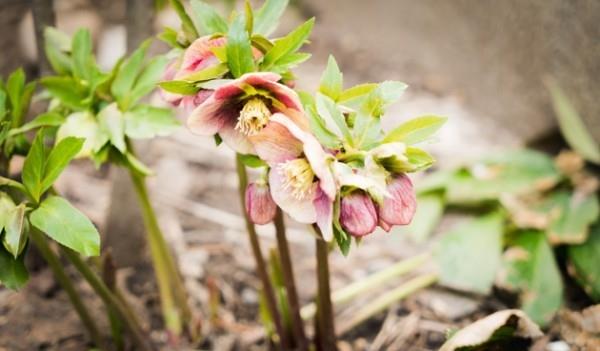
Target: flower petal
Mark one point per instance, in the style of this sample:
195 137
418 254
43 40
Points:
190 102
235 140
209 117
198 55
358 216
324 210
401 206
301 210
275 144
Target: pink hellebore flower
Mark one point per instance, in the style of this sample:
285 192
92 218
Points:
399 208
196 57
358 216
301 180
259 204
242 108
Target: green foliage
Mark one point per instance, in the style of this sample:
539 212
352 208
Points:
12 223
469 256
415 130
207 19
144 122
267 17
13 273
64 223
529 267
252 161
332 80
286 46
239 50
585 260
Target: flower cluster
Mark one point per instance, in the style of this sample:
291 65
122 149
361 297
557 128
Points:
326 158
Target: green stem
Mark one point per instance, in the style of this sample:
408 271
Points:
109 298
66 283
261 268
386 300
171 289
288 280
370 283
325 322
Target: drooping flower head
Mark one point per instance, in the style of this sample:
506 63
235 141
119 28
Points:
259 204
301 179
242 108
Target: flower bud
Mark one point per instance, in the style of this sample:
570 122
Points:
400 207
358 216
260 206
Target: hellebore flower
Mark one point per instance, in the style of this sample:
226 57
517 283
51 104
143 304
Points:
358 216
196 57
398 208
301 180
259 204
242 108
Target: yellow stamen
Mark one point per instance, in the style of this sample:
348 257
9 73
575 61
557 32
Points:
298 177
253 117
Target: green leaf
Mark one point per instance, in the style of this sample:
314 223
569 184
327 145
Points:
20 111
56 46
48 119
14 230
570 216
333 117
356 94
418 160
186 22
3 107
33 167
112 121
290 61
585 260
67 90
81 51
248 17
13 273
146 81
428 215
571 125
267 17
144 122
64 223
170 36
252 161
510 172
416 130
239 50
343 239
469 256
58 159
317 126
209 73
128 71
331 80
13 184
15 85
179 87
381 97
207 19
530 268
6 206
287 45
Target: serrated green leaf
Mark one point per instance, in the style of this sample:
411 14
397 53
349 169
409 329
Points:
15 237
64 223
530 268
333 117
186 22
112 121
261 43
81 52
207 19
145 121
33 167
355 95
15 85
128 72
239 51
381 97
468 257
67 90
571 124
179 87
331 80
6 206
147 79
415 130
209 73
13 273
267 17
290 61
83 125
170 36
56 46
286 45
585 259
317 126
48 119
58 159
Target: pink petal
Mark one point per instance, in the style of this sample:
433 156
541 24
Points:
199 55
401 206
358 216
169 74
301 210
284 94
275 144
235 140
211 116
259 204
190 102
324 210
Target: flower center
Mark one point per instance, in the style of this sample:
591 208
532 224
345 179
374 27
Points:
253 117
298 177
